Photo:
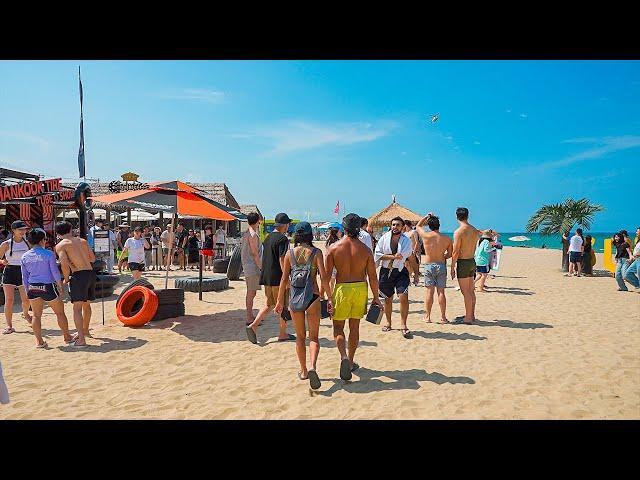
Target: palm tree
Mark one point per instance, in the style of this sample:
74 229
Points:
561 218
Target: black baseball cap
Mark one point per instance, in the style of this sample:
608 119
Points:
19 224
304 228
282 219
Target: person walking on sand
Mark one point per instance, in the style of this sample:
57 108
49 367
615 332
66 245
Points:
11 252
42 281
168 239
392 251
75 260
300 276
413 261
623 254
437 249
576 247
631 272
251 262
134 248
482 257
354 264
463 264
364 236
275 247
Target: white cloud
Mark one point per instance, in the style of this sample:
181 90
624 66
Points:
524 115
606 146
301 135
26 137
197 94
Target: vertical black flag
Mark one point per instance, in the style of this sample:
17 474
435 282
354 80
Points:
81 172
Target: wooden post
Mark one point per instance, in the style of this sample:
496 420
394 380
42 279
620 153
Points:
129 217
200 278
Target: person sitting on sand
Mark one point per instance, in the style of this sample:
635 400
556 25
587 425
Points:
12 251
354 264
275 247
392 251
463 264
75 259
482 258
42 281
437 249
304 253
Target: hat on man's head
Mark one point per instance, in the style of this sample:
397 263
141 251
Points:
304 228
18 224
282 219
352 223
137 229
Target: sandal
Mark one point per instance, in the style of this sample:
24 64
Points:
345 369
42 345
314 380
406 333
386 328
8 330
300 377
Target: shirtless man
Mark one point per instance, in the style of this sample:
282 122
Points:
75 260
353 262
465 239
438 248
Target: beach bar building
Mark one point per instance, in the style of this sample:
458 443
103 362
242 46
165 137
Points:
382 220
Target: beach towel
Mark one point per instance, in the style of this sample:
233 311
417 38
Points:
405 248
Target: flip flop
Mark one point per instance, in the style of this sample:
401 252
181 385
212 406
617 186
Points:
345 369
251 335
457 321
43 345
355 367
406 333
300 377
288 339
75 345
9 330
386 328
314 380
69 342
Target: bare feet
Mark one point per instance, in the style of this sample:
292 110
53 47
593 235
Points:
427 319
443 321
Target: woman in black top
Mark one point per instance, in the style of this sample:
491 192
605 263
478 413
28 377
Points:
623 253
207 247
587 268
192 248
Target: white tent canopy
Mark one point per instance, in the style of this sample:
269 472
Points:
97 212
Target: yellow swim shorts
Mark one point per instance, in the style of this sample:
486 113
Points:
350 300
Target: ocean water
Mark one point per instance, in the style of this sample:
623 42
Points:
552 241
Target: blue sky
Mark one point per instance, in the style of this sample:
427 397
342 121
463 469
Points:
299 136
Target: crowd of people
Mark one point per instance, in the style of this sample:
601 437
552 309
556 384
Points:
298 278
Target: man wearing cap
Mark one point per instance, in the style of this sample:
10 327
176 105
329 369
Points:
353 262
275 247
392 252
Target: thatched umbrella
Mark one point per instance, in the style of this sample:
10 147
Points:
384 216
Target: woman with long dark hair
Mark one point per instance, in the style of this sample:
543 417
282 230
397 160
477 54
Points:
302 253
333 238
12 251
43 282
623 253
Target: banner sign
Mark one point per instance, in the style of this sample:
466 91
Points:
101 241
36 189
117 187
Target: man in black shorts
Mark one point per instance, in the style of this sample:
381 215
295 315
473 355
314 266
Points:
392 252
75 259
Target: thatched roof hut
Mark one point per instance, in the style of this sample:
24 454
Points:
384 216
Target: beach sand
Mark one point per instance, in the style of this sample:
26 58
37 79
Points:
546 347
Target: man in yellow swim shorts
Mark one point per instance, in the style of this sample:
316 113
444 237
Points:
353 262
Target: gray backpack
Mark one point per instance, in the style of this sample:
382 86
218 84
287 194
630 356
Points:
300 283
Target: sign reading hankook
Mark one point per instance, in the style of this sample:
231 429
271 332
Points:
129 182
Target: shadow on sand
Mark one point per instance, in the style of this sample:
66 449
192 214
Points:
446 335
220 327
506 324
510 291
369 381
107 345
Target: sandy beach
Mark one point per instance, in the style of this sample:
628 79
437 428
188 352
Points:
546 347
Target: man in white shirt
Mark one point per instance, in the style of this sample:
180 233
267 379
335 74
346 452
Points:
392 251
576 247
364 236
220 240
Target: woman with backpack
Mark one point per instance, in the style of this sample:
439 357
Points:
302 265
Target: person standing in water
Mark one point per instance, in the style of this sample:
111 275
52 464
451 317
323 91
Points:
354 263
42 281
463 264
75 259
12 250
392 251
304 253
437 249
